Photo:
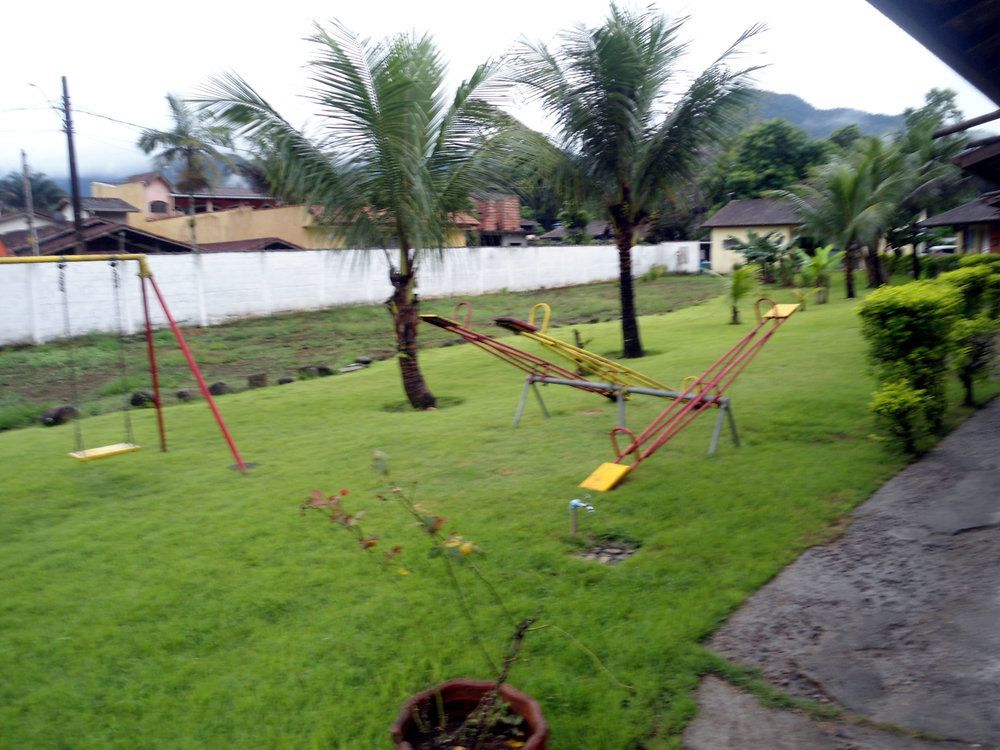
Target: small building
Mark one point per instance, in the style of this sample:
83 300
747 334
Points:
976 224
99 237
499 220
114 210
733 223
14 222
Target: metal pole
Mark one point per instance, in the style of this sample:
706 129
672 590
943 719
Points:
538 395
198 377
732 423
520 404
620 398
74 182
29 202
154 372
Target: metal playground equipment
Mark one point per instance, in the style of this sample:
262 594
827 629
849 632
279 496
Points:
616 382
146 279
703 391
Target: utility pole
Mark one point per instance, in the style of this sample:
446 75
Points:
73 181
29 202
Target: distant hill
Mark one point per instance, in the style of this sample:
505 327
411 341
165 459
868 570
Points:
819 123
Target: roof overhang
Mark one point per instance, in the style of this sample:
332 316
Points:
964 34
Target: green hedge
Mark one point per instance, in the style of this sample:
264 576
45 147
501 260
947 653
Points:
934 265
972 282
981 259
909 328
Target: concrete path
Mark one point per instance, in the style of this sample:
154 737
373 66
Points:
897 621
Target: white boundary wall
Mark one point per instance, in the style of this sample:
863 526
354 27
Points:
213 288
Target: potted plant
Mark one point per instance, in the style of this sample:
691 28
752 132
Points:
458 714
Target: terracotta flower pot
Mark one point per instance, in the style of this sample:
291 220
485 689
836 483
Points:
461 697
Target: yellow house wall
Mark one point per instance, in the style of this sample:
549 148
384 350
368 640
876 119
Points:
724 259
290 223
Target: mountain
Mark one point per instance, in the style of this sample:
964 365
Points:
819 123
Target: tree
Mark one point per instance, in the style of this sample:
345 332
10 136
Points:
45 194
742 281
847 205
844 138
772 155
397 158
194 144
766 251
617 140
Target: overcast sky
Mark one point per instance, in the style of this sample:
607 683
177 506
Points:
121 58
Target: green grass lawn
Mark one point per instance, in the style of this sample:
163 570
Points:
163 601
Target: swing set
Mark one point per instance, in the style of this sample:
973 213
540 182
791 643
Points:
147 281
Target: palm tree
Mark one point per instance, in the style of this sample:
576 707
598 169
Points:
846 205
397 159
45 194
194 144
621 145
742 281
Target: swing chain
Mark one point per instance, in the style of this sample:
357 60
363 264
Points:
122 364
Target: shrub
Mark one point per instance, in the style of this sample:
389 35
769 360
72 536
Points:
972 283
974 344
934 265
990 260
901 411
908 328
992 297
742 281
656 271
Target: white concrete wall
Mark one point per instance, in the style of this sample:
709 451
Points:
236 285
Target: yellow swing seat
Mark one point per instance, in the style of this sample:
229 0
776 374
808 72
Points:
105 451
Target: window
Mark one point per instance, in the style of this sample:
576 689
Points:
158 207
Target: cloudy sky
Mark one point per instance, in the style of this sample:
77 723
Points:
121 58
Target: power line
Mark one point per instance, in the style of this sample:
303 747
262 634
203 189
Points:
113 119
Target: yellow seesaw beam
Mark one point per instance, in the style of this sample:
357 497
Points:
605 370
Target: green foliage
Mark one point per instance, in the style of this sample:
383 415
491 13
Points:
742 281
772 155
933 266
973 283
991 260
618 140
575 220
818 268
45 194
974 341
845 137
908 330
656 271
193 143
901 410
768 251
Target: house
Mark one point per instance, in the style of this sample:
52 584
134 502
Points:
110 209
17 221
733 222
99 237
977 224
499 220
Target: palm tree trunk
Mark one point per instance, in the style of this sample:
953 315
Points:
405 308
631 344
849 270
